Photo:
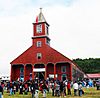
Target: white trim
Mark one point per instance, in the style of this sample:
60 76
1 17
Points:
5 78
52 75
39 55
38 69
39 44
39 28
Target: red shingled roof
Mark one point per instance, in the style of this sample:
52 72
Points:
50 55
97 75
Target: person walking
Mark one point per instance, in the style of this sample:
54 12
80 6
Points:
32 87
21 88
44 88
62 89
69 88
52 87
80 89
57 89
11 89
1 90
75 86
36 89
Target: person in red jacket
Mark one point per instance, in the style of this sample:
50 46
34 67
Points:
69 88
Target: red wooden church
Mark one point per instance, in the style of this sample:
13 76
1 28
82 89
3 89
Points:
42 61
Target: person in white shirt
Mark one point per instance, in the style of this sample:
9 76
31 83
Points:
75 86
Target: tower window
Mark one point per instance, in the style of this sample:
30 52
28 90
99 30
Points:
39 43
39 28
48 42
39 55
47 30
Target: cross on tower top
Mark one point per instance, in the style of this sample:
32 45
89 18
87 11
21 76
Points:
40 17
40 10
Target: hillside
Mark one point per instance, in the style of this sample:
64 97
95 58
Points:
91 65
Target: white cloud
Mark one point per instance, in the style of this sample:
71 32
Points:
55 2
15 7
79 30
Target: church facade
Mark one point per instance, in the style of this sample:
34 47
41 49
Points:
41 60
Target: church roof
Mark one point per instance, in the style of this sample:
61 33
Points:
49 56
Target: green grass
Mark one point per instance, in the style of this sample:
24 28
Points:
89 93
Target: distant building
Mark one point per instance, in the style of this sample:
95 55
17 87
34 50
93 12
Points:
95 76
5 78
42 61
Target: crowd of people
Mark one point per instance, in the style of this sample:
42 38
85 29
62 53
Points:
36 86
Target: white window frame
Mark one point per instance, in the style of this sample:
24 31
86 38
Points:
39 55
47 42
39 44
39 28
52 75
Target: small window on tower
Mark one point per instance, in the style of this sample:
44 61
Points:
48 42
39 28
47 30
39 43
39 55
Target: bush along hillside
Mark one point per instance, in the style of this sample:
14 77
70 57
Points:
91 65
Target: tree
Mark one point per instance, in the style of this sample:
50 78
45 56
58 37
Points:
91 65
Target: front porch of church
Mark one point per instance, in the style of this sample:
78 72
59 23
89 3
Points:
60 70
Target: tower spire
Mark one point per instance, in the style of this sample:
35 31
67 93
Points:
40 17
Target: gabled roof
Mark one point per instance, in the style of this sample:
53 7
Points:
56 56
24 56
49 55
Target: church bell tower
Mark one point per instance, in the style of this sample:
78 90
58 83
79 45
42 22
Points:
40 31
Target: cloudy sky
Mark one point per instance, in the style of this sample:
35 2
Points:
74 28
